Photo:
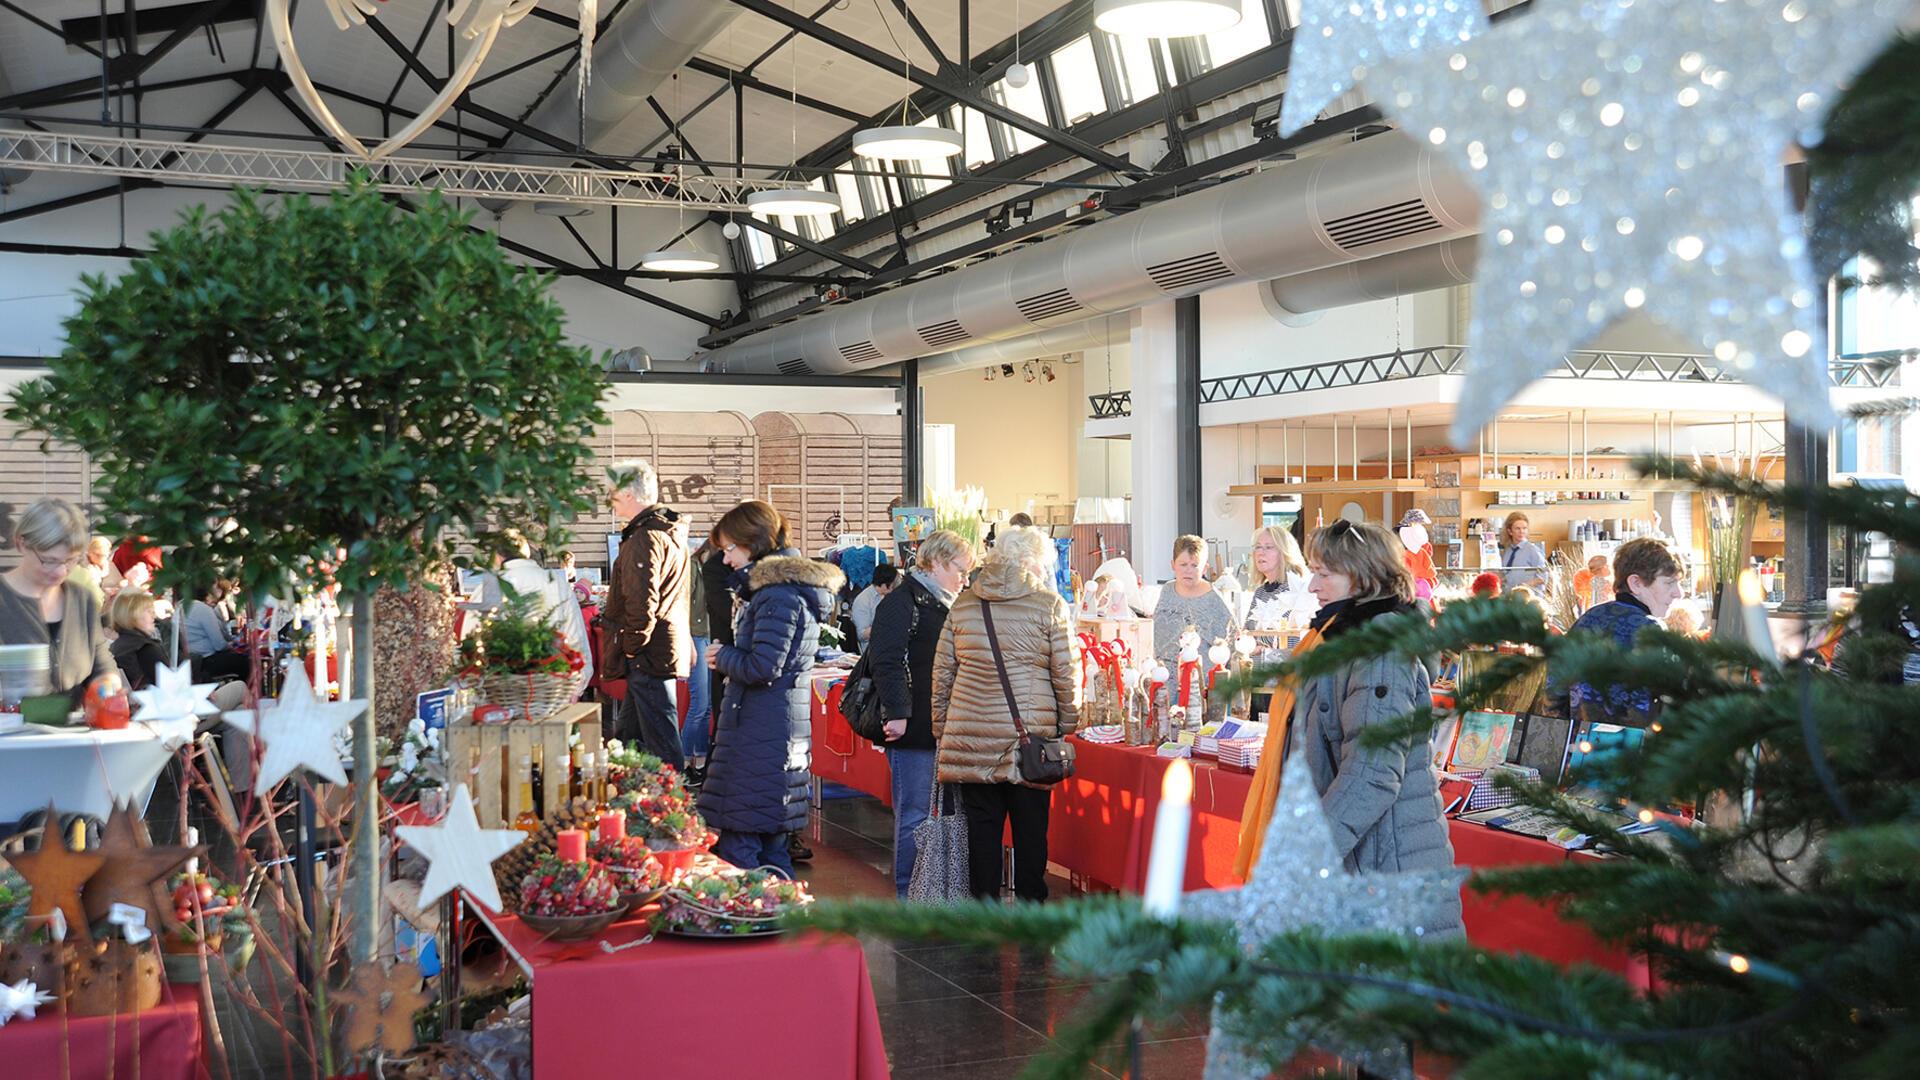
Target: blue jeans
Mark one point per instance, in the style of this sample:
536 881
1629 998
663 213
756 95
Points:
912 788
748 850
696 735
649 716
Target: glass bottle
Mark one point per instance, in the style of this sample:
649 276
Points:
527 821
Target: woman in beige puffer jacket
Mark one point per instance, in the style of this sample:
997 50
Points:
972 723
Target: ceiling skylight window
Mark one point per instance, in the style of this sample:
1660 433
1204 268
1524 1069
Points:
1076 76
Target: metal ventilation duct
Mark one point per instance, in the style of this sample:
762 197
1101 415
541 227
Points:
649 42
1437 266
1374 197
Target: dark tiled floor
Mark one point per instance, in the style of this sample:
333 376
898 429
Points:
957 1011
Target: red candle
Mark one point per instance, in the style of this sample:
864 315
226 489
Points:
613 826
571 845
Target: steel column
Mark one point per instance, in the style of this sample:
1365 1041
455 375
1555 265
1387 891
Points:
1186 359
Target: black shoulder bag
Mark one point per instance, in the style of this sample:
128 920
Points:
1041 762
860 701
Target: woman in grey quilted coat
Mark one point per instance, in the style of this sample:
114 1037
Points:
1383 804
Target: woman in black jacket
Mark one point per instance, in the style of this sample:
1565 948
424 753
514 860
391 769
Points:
136 644
905 636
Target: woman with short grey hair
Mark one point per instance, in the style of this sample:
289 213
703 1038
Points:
40 605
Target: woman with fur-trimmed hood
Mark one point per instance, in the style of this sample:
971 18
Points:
756 789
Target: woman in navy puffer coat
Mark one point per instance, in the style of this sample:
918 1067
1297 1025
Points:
756 789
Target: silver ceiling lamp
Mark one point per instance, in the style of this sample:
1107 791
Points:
1165 18
907 141
683 260
794 200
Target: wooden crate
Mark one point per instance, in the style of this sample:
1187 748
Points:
487 758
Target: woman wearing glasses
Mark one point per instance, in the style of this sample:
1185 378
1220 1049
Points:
40 606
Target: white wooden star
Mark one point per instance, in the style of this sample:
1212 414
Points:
297 732
459 852
1301 883
173 695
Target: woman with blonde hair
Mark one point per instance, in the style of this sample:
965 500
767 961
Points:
1279 572
1522 562
1008 636
1188 600
1383 803
41 604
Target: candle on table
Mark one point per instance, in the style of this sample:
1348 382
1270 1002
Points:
570 845
1167 866
613 826
1753 615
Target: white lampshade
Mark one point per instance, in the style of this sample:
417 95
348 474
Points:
1164 18
906 142
794 201
681 259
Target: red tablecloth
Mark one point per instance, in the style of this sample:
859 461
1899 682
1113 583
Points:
841 756
800 1008
161 1043
1102 828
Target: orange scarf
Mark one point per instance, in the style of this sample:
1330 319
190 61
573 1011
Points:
1266 778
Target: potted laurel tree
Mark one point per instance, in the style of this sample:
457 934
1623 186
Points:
329 391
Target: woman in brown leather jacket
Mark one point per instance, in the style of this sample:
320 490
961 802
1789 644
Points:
972 721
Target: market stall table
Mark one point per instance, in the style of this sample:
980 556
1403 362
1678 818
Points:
1101 830
839 755
84 770
161 1043
799 1008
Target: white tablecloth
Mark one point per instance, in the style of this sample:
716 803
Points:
81 770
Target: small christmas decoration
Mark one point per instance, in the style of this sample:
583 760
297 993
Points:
56 876
380 1004
459 852
132 865
297 733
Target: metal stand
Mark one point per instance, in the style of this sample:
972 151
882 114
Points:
303 852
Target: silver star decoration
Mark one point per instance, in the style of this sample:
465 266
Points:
297 732
459 852
173 695
1630 155
1337 39
1301 883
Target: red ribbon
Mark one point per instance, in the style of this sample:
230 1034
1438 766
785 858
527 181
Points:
1188 669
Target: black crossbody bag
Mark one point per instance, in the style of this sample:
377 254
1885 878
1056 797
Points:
1041 762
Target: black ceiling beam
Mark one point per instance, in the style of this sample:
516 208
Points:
120 69
940 83
926 39
1247 71
92 92
751 82
801 242
419 43
9 5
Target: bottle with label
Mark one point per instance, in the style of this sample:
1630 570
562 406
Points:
526 821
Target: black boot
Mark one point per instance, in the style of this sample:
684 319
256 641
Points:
797 848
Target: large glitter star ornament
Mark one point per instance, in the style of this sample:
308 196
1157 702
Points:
459 852
1301 883
1630 152
173 695
297 732
1337 40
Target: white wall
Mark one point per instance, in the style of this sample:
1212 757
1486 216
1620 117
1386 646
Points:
1018 441
1240 332
37 291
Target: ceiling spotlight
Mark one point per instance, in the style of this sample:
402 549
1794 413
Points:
1019 75
1165 18
1022 208
1027 370
679 260
794 201
999 221
731 230
991 372
562 209
1047 370
1006 370
908 142
1266 120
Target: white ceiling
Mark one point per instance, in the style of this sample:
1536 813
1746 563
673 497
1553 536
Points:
357 62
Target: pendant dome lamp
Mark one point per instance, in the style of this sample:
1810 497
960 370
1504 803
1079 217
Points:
907 141
795 199
1165 18
679 259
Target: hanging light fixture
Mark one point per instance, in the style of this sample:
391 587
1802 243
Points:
1018 74
1165 18
907 141
794 200
679 259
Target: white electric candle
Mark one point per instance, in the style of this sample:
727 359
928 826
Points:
1753 614
1167 867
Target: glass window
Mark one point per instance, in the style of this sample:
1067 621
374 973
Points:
1167 68
1133 66
1249 35
932 171
1076 75
820 228
848 185
1028 101
972 124
760 248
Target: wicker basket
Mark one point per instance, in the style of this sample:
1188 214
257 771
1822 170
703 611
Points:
532 696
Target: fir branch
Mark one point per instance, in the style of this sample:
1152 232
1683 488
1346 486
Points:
1864 509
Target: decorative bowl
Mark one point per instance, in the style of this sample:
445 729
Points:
571 927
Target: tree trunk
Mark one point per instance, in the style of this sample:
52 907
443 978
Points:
363 903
